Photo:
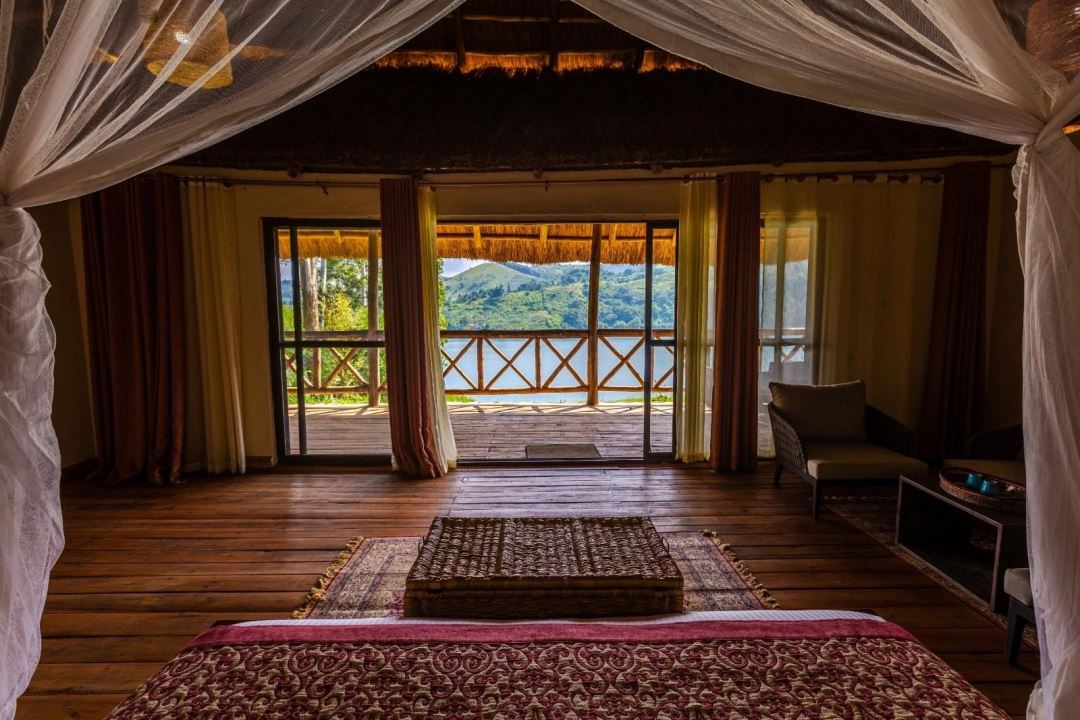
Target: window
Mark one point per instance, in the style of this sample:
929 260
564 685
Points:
786 310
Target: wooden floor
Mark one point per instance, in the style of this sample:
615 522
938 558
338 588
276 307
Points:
494 431
146 568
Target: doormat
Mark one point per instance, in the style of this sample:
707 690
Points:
562 451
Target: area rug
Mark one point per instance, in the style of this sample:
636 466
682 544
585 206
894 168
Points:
875 515
368 578
693 670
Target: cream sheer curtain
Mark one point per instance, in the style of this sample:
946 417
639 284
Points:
960 64
429 262
212 299
877 241
695 287
93 92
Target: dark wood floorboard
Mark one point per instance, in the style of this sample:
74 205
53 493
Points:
147 567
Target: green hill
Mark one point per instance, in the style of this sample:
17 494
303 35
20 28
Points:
487 277
508 296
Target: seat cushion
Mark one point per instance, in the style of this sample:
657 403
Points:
1018 585
1011 470
823 412
847 460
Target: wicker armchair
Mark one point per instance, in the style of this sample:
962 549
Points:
877 457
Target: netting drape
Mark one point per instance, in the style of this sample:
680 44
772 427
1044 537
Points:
1004 70
93 92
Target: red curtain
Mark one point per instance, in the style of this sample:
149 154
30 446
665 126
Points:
412 407
133 250
956 367
735 366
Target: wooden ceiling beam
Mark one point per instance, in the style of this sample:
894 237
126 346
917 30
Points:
553 36
459 39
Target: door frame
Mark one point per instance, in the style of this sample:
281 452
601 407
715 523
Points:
651 343
278 343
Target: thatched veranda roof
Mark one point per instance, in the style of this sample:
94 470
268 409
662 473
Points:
621 243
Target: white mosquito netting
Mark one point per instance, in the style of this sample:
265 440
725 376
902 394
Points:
94 91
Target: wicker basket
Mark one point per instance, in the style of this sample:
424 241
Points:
1010 499
542 567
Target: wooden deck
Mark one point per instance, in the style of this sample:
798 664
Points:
147 567
493 431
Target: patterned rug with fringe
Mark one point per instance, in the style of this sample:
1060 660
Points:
368 578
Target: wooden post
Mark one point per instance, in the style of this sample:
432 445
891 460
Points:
459 40
373 318
553 36
309 298
594 318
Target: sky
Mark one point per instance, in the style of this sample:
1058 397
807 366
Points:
456 266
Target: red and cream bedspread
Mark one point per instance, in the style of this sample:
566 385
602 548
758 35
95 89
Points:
696 669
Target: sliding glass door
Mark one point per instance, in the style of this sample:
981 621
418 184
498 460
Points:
327 343
787 310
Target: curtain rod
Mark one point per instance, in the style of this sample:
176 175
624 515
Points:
325 185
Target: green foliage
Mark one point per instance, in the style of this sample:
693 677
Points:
505 296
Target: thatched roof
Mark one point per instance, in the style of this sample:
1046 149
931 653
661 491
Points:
545 85
621 243
517 36
416 120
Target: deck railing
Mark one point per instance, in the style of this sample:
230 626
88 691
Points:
501 362
516 362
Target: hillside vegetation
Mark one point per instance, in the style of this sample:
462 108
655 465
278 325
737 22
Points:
512 296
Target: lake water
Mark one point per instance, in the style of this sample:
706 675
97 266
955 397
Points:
459 382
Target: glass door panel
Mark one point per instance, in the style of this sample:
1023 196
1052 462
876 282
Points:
659 381
329 334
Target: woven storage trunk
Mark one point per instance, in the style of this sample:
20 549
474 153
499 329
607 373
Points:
542 567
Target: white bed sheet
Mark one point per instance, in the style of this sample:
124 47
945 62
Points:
709 615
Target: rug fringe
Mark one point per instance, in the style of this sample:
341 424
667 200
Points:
762 593
315 594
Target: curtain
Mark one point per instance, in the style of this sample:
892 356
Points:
420 432
870 300
133 248
1002 69
429 266
788 292
694 287
212 297
957 366
738 258
93 92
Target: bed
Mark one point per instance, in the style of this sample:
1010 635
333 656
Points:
747 664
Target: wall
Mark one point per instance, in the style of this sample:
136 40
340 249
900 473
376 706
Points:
470 197
62 262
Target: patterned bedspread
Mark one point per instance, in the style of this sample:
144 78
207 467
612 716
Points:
806 669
